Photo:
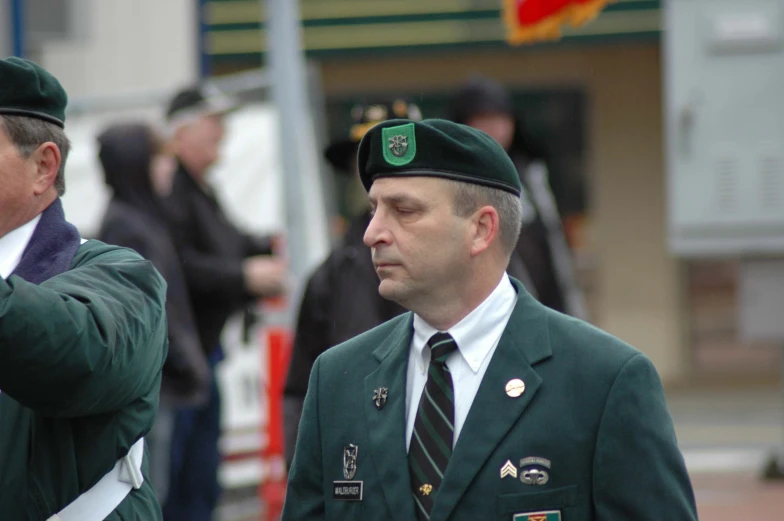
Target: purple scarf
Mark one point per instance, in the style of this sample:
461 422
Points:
51 249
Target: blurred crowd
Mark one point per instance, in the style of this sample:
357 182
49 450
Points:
163 207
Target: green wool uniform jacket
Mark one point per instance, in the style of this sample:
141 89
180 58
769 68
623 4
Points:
80 371
593 415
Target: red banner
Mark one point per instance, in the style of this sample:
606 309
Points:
530 21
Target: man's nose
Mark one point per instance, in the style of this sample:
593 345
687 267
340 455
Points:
375 230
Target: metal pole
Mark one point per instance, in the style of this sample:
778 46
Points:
286 63
203 57
18 27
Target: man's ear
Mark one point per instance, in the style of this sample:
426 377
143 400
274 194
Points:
47 160
486 229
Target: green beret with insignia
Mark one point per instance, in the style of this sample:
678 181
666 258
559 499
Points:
435 148
366 116
27 89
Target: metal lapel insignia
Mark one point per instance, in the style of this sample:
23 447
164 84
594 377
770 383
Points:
380 397
530 474
350 461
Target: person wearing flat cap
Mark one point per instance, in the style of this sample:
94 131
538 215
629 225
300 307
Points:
225 271
83 334
480 402
341 297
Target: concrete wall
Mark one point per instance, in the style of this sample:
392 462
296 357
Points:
638 282
123 46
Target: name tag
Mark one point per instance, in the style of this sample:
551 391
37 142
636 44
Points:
347 490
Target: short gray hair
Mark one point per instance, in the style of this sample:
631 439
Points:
469 197
27 134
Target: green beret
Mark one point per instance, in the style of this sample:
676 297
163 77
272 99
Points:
435 148
27 89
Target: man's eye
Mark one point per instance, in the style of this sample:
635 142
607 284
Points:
405 211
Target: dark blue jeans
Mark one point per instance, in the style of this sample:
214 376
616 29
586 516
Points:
193 486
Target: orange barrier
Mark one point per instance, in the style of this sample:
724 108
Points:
272 489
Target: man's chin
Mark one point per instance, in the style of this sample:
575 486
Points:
389 289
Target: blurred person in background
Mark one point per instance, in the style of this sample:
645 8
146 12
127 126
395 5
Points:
542 259
225 270
341 298
138 173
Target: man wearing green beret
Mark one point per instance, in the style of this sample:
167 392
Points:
82 333
480 403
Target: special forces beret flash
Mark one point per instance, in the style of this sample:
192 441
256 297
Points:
435 148
27 89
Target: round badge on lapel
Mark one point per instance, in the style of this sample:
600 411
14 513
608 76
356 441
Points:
515 388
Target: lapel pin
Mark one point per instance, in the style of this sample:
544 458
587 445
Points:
508 470
515 388
380 397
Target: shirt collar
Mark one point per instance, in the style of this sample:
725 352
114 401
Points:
12 246
469 332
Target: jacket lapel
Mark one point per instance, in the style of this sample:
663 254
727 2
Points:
524 343
387 425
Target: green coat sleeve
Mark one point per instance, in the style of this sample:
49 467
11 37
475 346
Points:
305 491
639 472
89 341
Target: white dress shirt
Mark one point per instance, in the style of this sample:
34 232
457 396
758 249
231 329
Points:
12 246
477 337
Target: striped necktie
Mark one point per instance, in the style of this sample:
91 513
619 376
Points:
431 442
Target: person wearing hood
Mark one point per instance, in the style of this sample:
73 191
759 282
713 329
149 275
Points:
138 172
542 259
341 298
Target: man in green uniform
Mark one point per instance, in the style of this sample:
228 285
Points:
481 403
82 333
